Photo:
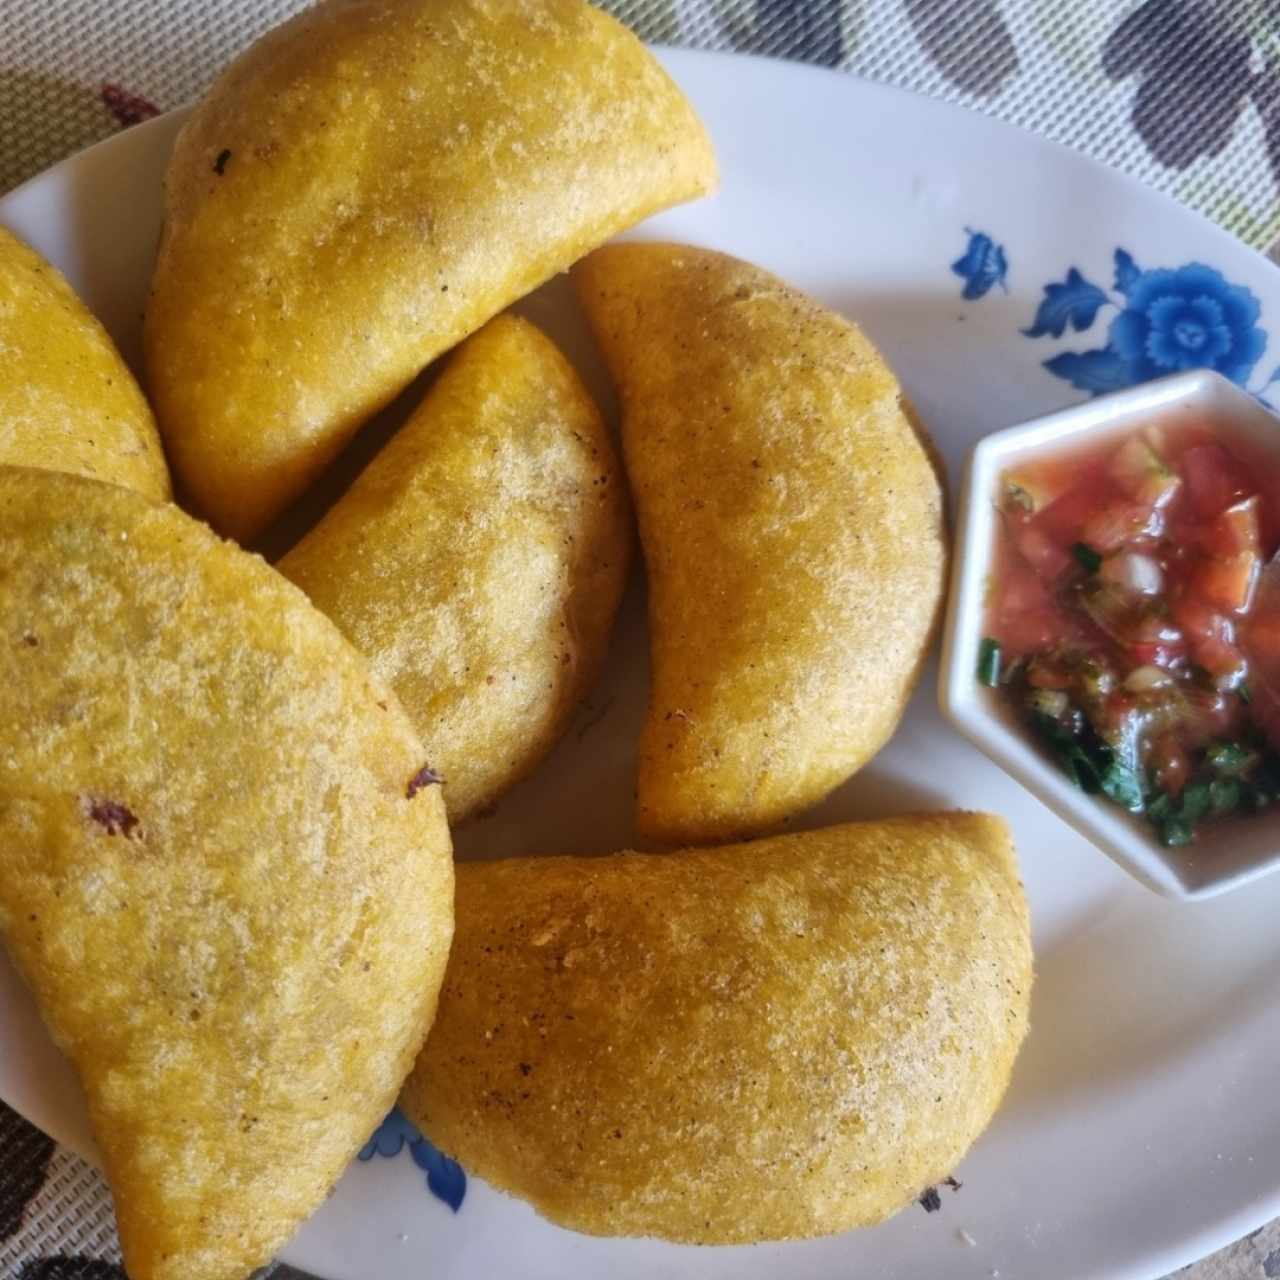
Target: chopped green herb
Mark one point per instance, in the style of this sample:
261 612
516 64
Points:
1224 795
1083 766
1195 802
1090 560
1245 695
1175 832
989 662
1083 771
1160 808
1120 781
1230 758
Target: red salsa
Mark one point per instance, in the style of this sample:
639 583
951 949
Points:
1134 620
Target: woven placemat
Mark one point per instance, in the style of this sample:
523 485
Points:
1183 94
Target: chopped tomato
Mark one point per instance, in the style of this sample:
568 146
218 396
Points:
1261 638
1022 590
1212 645
1064 520
1227 584
1235 530
1029 619
1260 631
1222 660
1199 620
1028 631
1142 475
1120 522
1214 479
1032 486
1050 560
1227 575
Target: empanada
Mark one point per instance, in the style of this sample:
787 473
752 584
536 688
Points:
365 186
479 559
67 400
763 1042
791 519
223 870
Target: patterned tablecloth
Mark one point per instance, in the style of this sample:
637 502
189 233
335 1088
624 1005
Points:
1185 94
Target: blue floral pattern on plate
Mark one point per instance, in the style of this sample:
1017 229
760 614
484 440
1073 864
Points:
1163 320
446 1179
981 266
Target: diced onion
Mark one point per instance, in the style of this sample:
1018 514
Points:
1049 702
1145 679
1134 572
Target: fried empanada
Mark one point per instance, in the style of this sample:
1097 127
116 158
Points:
791 519
479 560
762 1042
67 400
221 869
367 185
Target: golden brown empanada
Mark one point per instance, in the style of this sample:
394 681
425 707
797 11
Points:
479 560
222 870
792 525
762 1042
67 400
365 186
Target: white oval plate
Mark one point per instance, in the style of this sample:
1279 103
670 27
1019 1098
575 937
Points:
1143 1125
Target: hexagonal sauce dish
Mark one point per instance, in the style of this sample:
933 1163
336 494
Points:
1223 854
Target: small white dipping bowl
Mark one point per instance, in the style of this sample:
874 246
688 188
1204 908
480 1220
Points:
1221 857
